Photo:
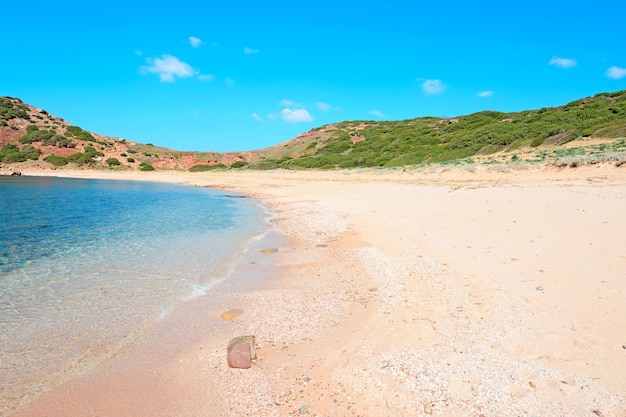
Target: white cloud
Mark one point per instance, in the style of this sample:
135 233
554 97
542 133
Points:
562 62
376 113
206 77
229 82
616 73
138 52
195 42
168 68
433 86
295 116
323 106
271 116
250 51
487 93
289 103
256 117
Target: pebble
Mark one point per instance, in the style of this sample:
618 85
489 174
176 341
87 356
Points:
303 409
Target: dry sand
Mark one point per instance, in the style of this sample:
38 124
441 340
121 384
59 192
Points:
460 292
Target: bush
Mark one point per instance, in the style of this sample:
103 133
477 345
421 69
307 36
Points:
144 166
78 133
239 164
202 168
36 135
57 161
113 162
31 152
130 159
90 150
11 153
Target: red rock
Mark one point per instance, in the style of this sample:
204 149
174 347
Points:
239 355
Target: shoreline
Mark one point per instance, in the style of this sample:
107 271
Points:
453 292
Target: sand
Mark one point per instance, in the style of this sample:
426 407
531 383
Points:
457 292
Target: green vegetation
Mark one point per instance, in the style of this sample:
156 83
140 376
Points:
202 167
12 108
130 159
113 162
87 157
11 153
78 133
57 161
144 166
437 140
239 164
46 137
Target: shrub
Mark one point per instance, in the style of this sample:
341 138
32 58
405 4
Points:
90 150
11 153
144 166
36 135
31 152
130 159
78 133
57 161
239 164
202 168
113 162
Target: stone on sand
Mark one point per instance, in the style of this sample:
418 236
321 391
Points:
241 352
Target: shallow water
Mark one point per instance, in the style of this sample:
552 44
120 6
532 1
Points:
88 265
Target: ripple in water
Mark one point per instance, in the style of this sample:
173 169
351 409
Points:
87 265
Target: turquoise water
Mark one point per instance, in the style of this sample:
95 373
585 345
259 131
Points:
87 265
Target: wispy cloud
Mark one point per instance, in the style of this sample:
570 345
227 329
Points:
487 93
195 42
250 51
229 82
376 113
433 86
256 117
616 73
206 77
562 62
289 103
323 106
295 115
168 68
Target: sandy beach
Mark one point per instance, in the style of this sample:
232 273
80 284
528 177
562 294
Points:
468 291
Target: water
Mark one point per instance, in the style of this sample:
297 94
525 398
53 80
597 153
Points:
87 265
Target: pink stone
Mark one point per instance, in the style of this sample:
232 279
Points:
239 355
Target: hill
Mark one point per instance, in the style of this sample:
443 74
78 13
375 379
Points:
594 127
31 136
487 135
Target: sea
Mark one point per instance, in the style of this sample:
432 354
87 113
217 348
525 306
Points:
86 266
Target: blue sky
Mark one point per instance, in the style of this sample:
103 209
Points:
242 75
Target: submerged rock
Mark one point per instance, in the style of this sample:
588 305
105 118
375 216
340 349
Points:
231 314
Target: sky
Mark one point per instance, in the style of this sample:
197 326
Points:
244 75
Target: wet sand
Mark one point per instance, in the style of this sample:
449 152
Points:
437 291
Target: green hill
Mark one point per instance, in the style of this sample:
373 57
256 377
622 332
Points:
436 140
29 135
